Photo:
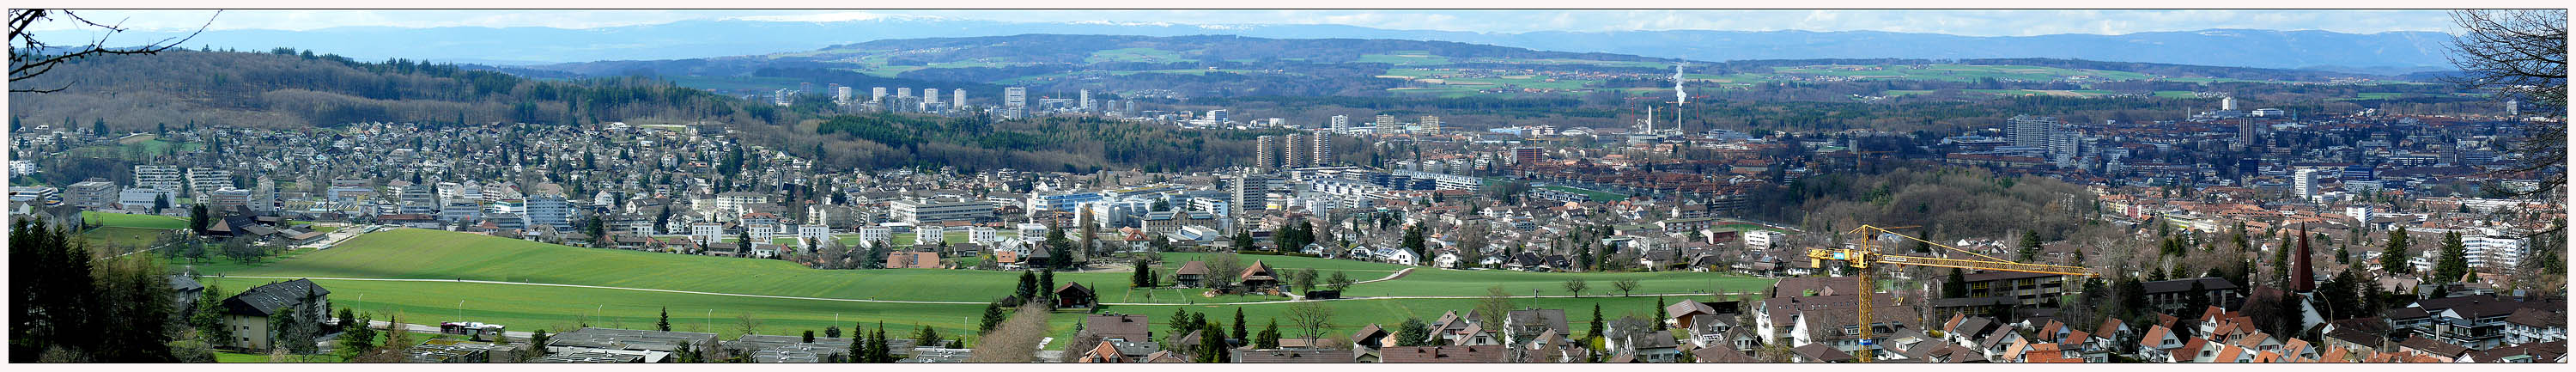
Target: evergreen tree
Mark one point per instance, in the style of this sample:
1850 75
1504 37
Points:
2392 259
992 318
1595 331
2454 263
1956 286
1046 285
1239 333
1413 333
1028 290
664 324
1269 338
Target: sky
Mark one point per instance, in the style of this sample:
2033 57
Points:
1955 22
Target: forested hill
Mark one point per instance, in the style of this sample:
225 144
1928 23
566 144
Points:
288 88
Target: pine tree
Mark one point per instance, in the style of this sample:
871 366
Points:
1239 333
992 318
2454 263
665 323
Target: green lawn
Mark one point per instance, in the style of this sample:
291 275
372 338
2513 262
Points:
427 254
135 220
556 309
134 237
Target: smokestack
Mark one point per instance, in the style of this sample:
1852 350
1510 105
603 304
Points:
2305 280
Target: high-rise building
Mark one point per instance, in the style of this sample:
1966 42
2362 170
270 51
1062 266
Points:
2065 144
93 194
902 92
1217 115
930 95
1267 153
1430 124
1015 97
1251 193
1385 122
550 210
2227 103
2031 131
1299 152
1319 149
2304 182
2245 132
1085 102
957 97
1341 123
840 93
876 94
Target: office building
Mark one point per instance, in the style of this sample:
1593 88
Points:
1015 97
1217 116
550 210
1085 102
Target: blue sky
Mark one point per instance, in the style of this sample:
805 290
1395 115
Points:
1957 22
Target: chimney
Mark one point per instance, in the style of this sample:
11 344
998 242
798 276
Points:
2305 279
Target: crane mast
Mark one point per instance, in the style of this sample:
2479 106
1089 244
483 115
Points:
1865 254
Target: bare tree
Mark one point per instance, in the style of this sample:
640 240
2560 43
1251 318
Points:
2520 54
1223 269
1310 318
1492 309
1016 341
746 324
1576 286
1624 286
40 61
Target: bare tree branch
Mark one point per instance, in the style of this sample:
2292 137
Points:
41 62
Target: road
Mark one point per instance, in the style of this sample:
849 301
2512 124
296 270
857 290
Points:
1397 274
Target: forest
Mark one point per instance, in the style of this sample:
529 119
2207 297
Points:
1952 202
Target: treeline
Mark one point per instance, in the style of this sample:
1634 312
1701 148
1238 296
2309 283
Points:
2166 69
884 140
1946 201
288 88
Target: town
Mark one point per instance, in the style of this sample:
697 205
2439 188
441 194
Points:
1131 214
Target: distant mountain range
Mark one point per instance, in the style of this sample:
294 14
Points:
2387 53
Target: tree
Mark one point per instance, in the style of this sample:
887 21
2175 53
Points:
357 341
2195 300
1143 277
834 331
1413 241
746 324
1595 331
1576 286
538 338
927 336
2520 55
1239 325
1304 279
992 318
45 56
665 323
1046 285
1338 282
197 218
1028 289
1413 333
1310 318
1492 308
1956 286
2392 259
2029 245
1624 286
2454 263
1269 336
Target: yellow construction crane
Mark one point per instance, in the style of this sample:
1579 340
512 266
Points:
1866 254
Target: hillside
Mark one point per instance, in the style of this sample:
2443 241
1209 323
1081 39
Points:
286 89
2388 51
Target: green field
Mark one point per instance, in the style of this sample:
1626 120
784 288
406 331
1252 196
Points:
1413 58
135 220
1147 55
130 237
1959 72
439 255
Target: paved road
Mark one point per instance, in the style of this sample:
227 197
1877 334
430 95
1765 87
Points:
1397 274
